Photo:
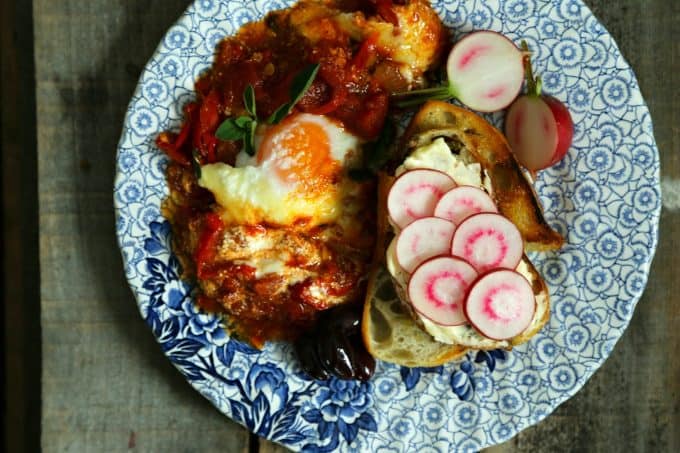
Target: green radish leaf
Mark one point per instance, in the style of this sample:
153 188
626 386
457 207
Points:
249 100
230 129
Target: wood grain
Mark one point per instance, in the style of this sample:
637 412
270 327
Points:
18 243
106 385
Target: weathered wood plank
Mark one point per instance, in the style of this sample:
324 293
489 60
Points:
18 243
270 447
106 384
104 377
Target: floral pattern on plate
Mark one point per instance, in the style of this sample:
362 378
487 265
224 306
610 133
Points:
604 197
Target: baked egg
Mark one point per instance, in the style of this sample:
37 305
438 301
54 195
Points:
298 175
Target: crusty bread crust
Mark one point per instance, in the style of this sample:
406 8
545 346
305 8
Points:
513 194
389 330
390 333
388 327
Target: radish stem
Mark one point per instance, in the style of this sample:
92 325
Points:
421 99
487 70
534 84
434 90
417 97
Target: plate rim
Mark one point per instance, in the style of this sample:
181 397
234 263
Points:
653 219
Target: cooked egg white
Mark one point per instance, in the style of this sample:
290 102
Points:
297 176
464 171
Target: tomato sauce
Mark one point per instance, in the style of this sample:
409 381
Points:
268 55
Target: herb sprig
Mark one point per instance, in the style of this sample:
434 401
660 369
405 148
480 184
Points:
243 127
298 88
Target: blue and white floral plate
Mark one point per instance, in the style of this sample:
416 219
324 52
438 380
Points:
604 196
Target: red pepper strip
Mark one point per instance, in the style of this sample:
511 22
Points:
337 99
207 119
384 9
205 250
173 146
210 115
165 142
209 144
366 51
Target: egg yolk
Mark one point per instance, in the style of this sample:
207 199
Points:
299 153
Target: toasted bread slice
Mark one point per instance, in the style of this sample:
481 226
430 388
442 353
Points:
466 335
391 330
388 327
513 193
390 333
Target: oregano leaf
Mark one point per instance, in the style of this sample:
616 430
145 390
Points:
249 100
229 130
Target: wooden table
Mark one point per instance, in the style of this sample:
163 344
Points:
102 383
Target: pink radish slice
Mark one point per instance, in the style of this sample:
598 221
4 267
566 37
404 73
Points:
500 304
422 239
488 241
438 287
539 130
485 70
461 202
415 194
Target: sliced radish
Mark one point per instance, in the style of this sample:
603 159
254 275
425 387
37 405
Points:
415 194
500 304
564 124
438 287
488 241
485 70
539 130
538 127
461 202
422 239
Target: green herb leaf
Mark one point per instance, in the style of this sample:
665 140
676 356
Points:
230 129
298 88
249 138
302 82
243 122
279 114
249 100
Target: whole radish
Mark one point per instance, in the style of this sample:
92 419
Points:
538 127
484 71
